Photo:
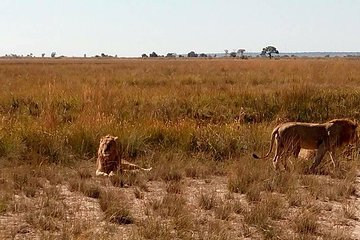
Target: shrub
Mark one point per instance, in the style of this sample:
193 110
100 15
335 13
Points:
115 208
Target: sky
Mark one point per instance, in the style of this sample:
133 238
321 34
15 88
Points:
133 27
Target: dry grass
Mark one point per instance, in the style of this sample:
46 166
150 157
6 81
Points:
207 201
115 207
192 121
305 223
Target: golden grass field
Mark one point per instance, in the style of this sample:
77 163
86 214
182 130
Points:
196 122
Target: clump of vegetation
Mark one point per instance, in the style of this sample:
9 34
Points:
88 188
115 207
305 223
207 201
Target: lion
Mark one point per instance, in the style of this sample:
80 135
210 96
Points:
291 137
109 161
344 137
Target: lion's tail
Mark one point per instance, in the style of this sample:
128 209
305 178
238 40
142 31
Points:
273 135
146 169
130 166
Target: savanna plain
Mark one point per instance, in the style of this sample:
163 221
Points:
196 122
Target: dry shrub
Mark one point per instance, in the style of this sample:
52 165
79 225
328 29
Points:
298 199
130 178
270 207
82 140
305 223
168 168
5 202
207 201
221 142
115 207
253 193
215 229
48 216
174 187
47 146
138 193
338 233
172 205
350 211
84 173
25 181
223 210
240 207
11 145
283 182
328 190
154 228
246 174
256 216
88 188
174 174
185 225
76 229
198 167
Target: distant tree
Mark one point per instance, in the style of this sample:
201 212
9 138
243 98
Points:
226 52
192 54
84 55
153 54
269 50
144 55
203 55
53 54
240 53
103 55
233 54
170 55
43 55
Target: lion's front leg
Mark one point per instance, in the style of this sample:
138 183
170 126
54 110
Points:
320 153
100 173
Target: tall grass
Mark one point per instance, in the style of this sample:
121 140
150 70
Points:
140 101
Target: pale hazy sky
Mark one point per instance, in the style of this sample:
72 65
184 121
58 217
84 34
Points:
133 27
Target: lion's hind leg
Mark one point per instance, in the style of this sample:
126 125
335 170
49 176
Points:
278 153
281 158
332 154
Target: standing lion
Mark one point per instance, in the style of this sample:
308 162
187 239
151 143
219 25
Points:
291 137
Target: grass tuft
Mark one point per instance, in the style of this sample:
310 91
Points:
115 208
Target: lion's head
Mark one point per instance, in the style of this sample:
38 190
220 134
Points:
108 156
343 131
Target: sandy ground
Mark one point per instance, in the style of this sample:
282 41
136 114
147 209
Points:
84 214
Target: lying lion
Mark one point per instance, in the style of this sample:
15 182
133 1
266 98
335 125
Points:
291 137
109 161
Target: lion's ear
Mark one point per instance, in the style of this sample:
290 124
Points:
115 138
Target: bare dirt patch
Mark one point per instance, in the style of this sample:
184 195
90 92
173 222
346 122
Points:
229 216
